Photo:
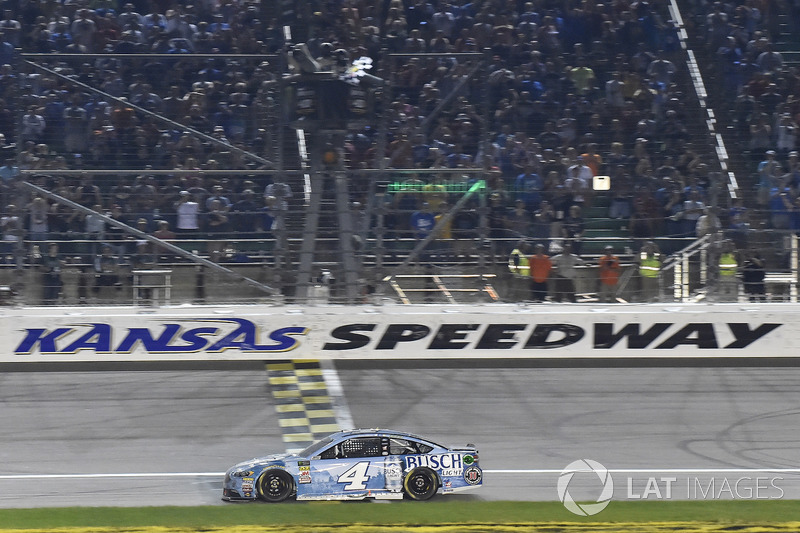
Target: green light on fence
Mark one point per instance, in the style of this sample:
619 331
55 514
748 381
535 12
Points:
438 188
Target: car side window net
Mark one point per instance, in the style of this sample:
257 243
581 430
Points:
363 447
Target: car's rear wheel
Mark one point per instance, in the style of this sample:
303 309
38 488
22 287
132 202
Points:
421 484
275 485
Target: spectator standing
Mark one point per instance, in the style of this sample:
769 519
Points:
786 134
422 221
661 70
579 182
528 187
88 193
38 210
769 172
543 220
753 277
282 193
188 211
33 125
708 223
692 211
9 172
609 275
76 127
95 228
540 268
50 265
12 230
163 232
217 224
760 133
565 265
83 30
244 214
781 205
572 228
11 28
519 220
106 270
217 194
115 236
792 176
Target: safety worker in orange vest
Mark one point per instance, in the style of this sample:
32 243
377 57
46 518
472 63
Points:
540 266
609 275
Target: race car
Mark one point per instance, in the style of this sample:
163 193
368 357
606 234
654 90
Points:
354 465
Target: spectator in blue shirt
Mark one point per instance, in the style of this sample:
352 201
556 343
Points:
422 221
528 188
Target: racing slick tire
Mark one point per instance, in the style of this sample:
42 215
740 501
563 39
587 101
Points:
275 485
421 484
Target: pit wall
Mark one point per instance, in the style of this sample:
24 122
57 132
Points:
544 331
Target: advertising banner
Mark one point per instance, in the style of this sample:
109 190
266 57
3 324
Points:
399 332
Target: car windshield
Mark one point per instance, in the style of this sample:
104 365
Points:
314 448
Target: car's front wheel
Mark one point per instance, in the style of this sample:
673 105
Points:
421 484
275 485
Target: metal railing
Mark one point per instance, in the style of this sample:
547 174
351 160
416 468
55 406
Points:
454 271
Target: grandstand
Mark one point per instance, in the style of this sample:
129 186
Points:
245 152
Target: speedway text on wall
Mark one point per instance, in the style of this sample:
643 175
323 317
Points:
398 332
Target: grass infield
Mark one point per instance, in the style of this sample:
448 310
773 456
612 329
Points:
437 516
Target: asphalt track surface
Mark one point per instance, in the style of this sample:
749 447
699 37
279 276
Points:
97 438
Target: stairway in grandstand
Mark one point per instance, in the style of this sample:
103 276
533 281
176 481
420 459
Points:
741 161
602 231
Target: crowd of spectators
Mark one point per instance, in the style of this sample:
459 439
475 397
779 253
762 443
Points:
51 119
762 91
567 91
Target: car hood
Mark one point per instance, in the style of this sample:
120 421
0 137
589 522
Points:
267 459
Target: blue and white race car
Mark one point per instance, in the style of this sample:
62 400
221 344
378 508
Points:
358 464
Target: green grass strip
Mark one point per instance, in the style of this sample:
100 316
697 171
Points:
550 527
447 516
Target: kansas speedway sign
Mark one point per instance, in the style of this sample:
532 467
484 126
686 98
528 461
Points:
399 332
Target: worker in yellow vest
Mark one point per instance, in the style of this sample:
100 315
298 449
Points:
649 271
728 283
519 266
518 262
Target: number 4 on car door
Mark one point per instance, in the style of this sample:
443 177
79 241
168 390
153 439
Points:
355 477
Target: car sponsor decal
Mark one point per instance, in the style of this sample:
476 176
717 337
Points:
305 472
473 475
436 461
393 473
